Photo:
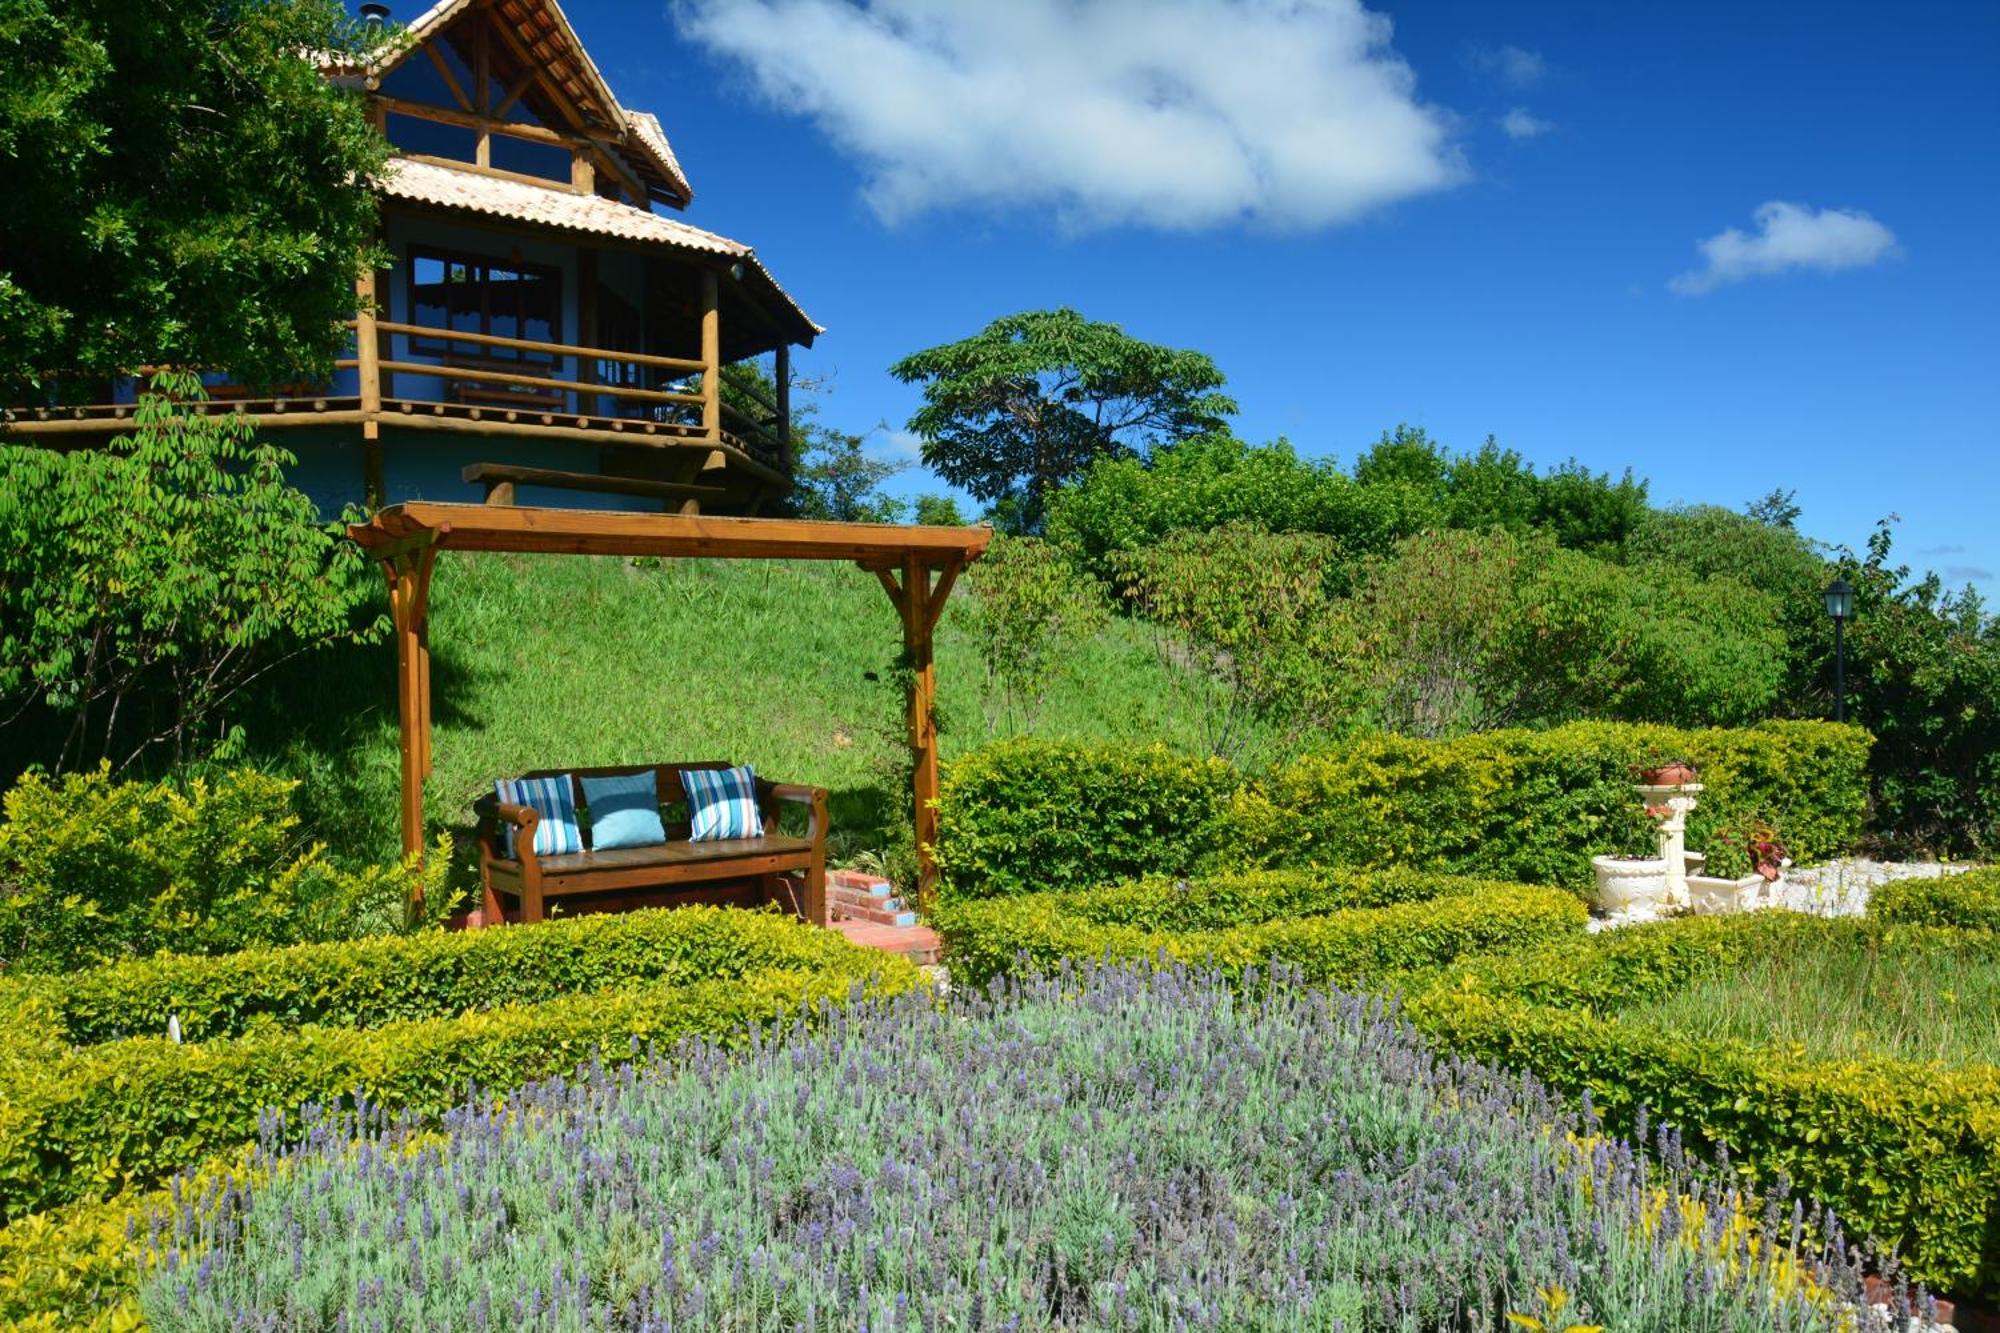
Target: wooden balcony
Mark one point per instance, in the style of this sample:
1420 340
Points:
484 384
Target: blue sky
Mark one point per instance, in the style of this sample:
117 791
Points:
1479 219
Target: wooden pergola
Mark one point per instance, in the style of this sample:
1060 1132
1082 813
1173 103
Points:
917 566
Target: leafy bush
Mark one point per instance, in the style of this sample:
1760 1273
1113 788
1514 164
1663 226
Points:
1970 901
93 869
85 1123
1531 806
1252 609
1030 614
1022 815
1322 931
145 584
1214 481
1909 1154
1323 1170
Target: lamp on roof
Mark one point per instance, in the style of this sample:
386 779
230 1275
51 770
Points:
736 271
374 14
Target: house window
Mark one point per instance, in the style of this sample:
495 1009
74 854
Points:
474 294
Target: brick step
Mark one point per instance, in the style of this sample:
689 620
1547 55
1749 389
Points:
867 898
920 944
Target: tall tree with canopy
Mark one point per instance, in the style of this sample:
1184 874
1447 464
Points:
1019 408
184 187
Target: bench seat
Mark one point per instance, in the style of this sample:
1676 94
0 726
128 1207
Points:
675 864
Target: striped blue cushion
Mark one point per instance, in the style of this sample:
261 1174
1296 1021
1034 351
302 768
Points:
555 802
722 803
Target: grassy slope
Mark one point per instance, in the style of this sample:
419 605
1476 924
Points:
546 661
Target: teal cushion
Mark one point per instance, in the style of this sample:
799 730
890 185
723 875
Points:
624 812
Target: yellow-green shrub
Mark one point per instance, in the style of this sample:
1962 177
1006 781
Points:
89 1122
367 983
1529 806
1026 815
1908 1153
1440 920
1970 900
93 869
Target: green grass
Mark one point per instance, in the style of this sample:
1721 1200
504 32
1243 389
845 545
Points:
1847 999
546 661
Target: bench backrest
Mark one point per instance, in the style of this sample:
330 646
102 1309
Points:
666 781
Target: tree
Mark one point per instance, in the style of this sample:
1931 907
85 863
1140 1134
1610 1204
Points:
182 188
940 511
836 478
1020 408
144 584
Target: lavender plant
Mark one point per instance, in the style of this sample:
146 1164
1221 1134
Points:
1107 1148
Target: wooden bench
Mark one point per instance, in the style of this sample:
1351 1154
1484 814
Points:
500 479
739 869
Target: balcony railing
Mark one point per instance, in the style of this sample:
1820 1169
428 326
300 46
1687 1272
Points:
486 383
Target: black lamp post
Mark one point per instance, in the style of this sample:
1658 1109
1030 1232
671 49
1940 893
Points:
1839 605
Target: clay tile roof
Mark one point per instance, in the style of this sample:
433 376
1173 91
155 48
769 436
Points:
518 201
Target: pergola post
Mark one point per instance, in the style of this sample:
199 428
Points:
919 603
409 574
368 362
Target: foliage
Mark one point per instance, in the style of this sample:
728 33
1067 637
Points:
1324 1172
88 1122
1970 900
1019 408
1528 806
836 478
93 870
940 511
1021 815
1030 615
1923 673
1576 508
1250 611
1324 931
1217 481
145 584
1907 1153
183 189
1458 631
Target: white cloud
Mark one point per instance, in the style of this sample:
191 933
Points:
1788 236
1179 114
1510 64
1520 123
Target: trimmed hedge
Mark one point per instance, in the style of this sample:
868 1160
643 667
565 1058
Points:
1908 1153
1025 815
1424 920
372 982
1528 806
87 1123
1970 900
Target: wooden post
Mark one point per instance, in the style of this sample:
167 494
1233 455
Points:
409 610
711 356
781 364
919 606
368 361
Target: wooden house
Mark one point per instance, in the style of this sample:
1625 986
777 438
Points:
549 329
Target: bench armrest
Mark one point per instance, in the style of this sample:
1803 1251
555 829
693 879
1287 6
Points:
493 811
812 798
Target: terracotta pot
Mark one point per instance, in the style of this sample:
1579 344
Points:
1676 774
